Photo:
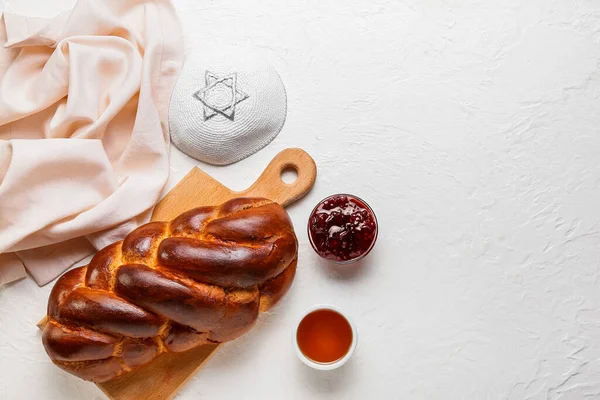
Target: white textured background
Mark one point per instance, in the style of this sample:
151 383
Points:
473 129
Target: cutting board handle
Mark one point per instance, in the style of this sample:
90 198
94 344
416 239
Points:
271 186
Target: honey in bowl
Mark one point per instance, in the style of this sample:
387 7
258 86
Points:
324 336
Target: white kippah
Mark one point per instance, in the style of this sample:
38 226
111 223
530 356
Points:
226 105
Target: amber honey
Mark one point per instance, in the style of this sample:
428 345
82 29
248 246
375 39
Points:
324 336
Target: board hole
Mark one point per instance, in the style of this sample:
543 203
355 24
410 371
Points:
289 175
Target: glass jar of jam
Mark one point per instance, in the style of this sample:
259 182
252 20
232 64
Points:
342 228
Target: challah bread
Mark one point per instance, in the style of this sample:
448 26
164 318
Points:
171 286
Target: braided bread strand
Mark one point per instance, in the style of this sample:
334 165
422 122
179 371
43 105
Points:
171 286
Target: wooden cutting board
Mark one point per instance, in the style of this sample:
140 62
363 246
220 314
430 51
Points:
162 378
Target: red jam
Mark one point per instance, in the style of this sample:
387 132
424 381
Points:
342 228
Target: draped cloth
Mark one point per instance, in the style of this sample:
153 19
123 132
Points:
83 129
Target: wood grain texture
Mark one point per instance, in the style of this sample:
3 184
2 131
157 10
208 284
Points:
162 378
197 188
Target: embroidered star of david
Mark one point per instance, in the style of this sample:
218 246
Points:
220 95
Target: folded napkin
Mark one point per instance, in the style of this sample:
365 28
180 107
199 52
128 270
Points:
83 133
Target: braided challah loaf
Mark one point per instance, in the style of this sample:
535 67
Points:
171 286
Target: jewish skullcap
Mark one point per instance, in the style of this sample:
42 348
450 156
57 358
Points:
227 104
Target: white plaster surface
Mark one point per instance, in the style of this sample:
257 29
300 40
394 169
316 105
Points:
473 130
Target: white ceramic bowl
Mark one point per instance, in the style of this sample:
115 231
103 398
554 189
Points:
331 365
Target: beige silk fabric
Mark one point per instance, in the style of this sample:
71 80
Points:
83 132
